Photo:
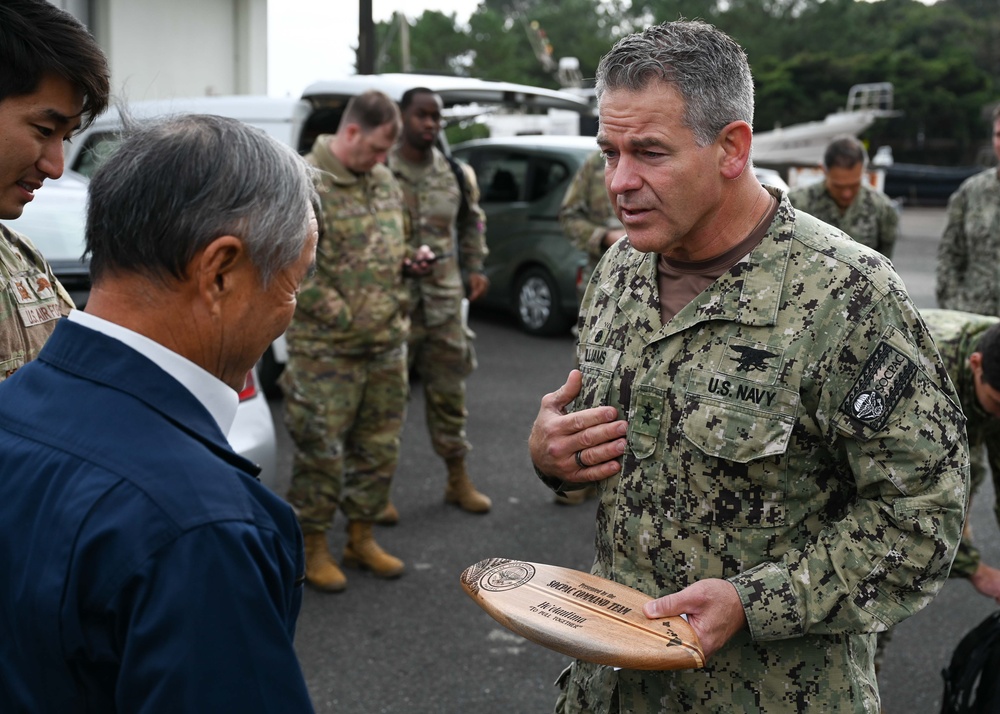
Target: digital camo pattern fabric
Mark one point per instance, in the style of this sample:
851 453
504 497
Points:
356 302
968 269
792 430
31 301
586 213
871 219
956 334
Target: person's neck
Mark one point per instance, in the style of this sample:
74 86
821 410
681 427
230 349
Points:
739 215
415 155
151 310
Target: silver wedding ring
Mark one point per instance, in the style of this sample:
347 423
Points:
579 461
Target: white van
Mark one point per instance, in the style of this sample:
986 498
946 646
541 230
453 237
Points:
297 123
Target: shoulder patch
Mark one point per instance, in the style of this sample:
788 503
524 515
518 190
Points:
883 380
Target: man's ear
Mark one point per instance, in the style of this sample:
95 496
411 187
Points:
976 362
219 267
734 140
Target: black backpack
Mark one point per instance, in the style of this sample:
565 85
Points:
972 680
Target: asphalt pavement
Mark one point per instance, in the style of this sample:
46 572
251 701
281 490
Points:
420 645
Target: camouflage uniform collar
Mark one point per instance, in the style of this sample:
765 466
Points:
324 160
400 165
749 294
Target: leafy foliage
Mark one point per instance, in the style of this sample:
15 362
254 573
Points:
943 59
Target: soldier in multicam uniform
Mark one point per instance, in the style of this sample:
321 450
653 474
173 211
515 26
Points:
53 78
586 215
970 348
844 201
346 381
967 269
440 344
777 444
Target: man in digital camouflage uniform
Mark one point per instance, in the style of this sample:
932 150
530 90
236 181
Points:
440 346
345 383
843 200
970 347
968 272
586 215
53 78
779 451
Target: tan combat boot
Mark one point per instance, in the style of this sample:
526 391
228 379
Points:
389 515
321 570
363 552
460 490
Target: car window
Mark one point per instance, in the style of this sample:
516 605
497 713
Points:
502 176
547 175
98 148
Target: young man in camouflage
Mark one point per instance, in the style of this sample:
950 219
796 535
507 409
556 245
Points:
777 445
968 273
586 215
346 382
843 200
970 347
53 78
440 345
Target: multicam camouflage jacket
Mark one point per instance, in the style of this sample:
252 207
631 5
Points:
871 219
792 430
356 302
586 213
968 269
433 199
31 301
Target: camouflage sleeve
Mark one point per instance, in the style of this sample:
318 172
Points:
888 230
953 254
321 302
576 215
889 411
472 230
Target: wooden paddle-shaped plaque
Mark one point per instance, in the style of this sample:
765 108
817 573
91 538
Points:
580 615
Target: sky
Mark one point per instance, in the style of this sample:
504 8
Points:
309 40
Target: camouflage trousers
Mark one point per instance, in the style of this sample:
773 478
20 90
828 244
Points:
442 357
345 414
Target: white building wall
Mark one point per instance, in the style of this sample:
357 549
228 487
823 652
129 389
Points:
182 48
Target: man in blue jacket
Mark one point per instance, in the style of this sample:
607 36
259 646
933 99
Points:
144 567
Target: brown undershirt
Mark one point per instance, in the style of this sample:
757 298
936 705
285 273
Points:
680 281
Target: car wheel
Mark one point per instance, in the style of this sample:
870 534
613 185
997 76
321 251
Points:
268 371
537 303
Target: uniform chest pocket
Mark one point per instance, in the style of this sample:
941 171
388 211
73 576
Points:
738 432
598 365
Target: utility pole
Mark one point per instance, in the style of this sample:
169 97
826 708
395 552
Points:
404 41
366 38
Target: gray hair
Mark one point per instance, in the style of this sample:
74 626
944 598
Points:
706 67
175 185
845 152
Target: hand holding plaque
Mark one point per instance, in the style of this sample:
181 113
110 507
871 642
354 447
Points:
581 615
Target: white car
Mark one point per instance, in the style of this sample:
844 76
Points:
54 221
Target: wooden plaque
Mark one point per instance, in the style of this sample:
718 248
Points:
580 615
